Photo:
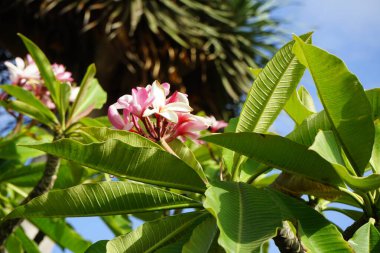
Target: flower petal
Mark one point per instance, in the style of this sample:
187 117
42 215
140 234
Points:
114 116
169 115
178 107
158 93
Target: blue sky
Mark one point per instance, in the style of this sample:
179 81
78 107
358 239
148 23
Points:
347 28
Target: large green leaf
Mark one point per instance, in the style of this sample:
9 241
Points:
306 132
326 146
271 89
62 233
344 100
366 239
44 67
91 96
269 93
101 134
152 235
279 152
44 115
104 198
247 217
202 237
300 105
149 165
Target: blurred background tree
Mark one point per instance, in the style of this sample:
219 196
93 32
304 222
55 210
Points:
204 48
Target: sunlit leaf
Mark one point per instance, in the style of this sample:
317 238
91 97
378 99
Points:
344 101
91 96
152 235
279 152
148 165
366 239
326 146
248 217
105 198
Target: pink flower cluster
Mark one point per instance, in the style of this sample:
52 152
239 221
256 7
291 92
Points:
26 74
149 112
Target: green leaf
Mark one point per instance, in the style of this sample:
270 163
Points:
366 239
91 96
375 158
44 67
20 175
43 113
62 233
98 247
271 90
148 165
69 174
269 93
104 198
188 157
344 100
300 105
152 235
64 100
96 122
29 245
13 244
279 152
10 149
306 132
202 237
373 96
101 134
326 146
247 217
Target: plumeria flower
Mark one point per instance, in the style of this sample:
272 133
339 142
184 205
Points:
214 124
166 109
151 114
138 102
26 75
61 74
189 126
21 73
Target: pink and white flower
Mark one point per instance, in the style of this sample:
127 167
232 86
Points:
150 113
167 109
22 73
214 124
26 74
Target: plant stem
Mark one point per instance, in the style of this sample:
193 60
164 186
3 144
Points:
350 231
45 184
166 146
287 241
